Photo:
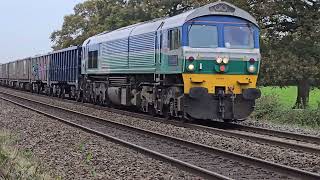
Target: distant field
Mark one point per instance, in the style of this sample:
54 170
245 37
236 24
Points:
287 96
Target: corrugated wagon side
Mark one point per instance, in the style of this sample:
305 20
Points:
4 73
18 73
12 74
64 71
39 71
40 68
22 73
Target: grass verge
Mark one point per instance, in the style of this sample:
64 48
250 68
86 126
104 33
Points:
15 164
287 96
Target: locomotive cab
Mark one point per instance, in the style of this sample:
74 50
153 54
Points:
221 65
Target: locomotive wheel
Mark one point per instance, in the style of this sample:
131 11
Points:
166 112
188 119
100 100
107 102
95 100
171 108
152 111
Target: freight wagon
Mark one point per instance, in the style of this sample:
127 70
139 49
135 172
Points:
39 68
64 72
4 74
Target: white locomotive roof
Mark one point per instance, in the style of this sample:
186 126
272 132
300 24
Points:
171 22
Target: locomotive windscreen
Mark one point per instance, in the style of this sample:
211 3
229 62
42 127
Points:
238 37
203 36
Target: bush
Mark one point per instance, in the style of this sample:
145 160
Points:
265 106
305 118
269 109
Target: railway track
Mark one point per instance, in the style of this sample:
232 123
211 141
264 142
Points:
298 142
208 162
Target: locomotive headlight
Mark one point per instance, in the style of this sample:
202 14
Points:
191 67
226 60
252 69
219 60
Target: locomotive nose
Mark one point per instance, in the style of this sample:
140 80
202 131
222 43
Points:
199 104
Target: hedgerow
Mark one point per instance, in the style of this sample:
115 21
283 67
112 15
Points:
268 108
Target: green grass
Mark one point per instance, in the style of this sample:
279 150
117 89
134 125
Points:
17 164
287 96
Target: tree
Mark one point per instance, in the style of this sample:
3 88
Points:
292 55
95 16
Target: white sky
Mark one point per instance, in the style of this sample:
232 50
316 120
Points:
26 26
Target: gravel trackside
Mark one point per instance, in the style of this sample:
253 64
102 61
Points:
279 127
69 153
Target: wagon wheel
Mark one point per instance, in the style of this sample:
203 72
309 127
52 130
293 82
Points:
58 92
38 89
73 93
63 93
50 91
31 88
78 96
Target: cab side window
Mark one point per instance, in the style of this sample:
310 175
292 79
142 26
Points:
93 60
174 39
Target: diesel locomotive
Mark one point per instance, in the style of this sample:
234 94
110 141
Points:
202 64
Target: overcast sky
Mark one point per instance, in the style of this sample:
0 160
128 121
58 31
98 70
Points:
26 25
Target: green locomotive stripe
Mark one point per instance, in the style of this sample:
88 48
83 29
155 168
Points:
234 67
211 67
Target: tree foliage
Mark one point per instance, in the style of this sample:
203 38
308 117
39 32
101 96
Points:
292 54
96 16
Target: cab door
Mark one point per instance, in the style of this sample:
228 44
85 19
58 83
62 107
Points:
174 51
159 51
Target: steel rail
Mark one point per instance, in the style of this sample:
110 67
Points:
232 133
293 172
257 138
175 162
226 131
283 134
